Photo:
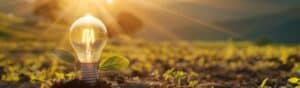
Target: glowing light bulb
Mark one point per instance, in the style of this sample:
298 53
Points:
88 36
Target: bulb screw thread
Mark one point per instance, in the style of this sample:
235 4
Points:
89 73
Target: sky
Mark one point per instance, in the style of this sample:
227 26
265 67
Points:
182 15
209 12
229 9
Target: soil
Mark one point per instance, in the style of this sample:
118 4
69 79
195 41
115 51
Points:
217 73
76 83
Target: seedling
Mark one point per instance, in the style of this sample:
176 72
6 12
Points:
193 83
173 75
264 82
113 63
294 81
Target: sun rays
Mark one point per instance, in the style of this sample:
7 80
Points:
110 1
107 10
192 19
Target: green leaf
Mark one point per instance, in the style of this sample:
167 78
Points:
169 74
59 75
179 75
64 56
115 63
193 83
263 84
293 80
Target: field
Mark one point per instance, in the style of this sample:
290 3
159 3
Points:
48 61
34 64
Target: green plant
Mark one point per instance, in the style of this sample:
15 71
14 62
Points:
168 75
193 83
173 75
294 81
263 83
114 63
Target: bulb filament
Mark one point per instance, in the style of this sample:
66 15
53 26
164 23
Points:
88 38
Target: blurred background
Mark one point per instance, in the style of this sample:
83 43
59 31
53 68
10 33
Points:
156 20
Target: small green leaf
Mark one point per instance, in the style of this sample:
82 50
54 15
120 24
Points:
179 75
168 74
263 84
193 83
115 63
59 75
293 80
64 55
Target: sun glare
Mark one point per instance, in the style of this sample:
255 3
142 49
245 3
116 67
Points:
110 1
109 10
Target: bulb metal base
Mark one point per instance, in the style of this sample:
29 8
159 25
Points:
89 72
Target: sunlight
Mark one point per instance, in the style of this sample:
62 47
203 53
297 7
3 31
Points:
70 8
195 20
157 27
107 12
110 1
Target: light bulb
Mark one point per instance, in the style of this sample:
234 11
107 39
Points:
88 36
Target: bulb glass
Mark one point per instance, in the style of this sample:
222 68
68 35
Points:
88 36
